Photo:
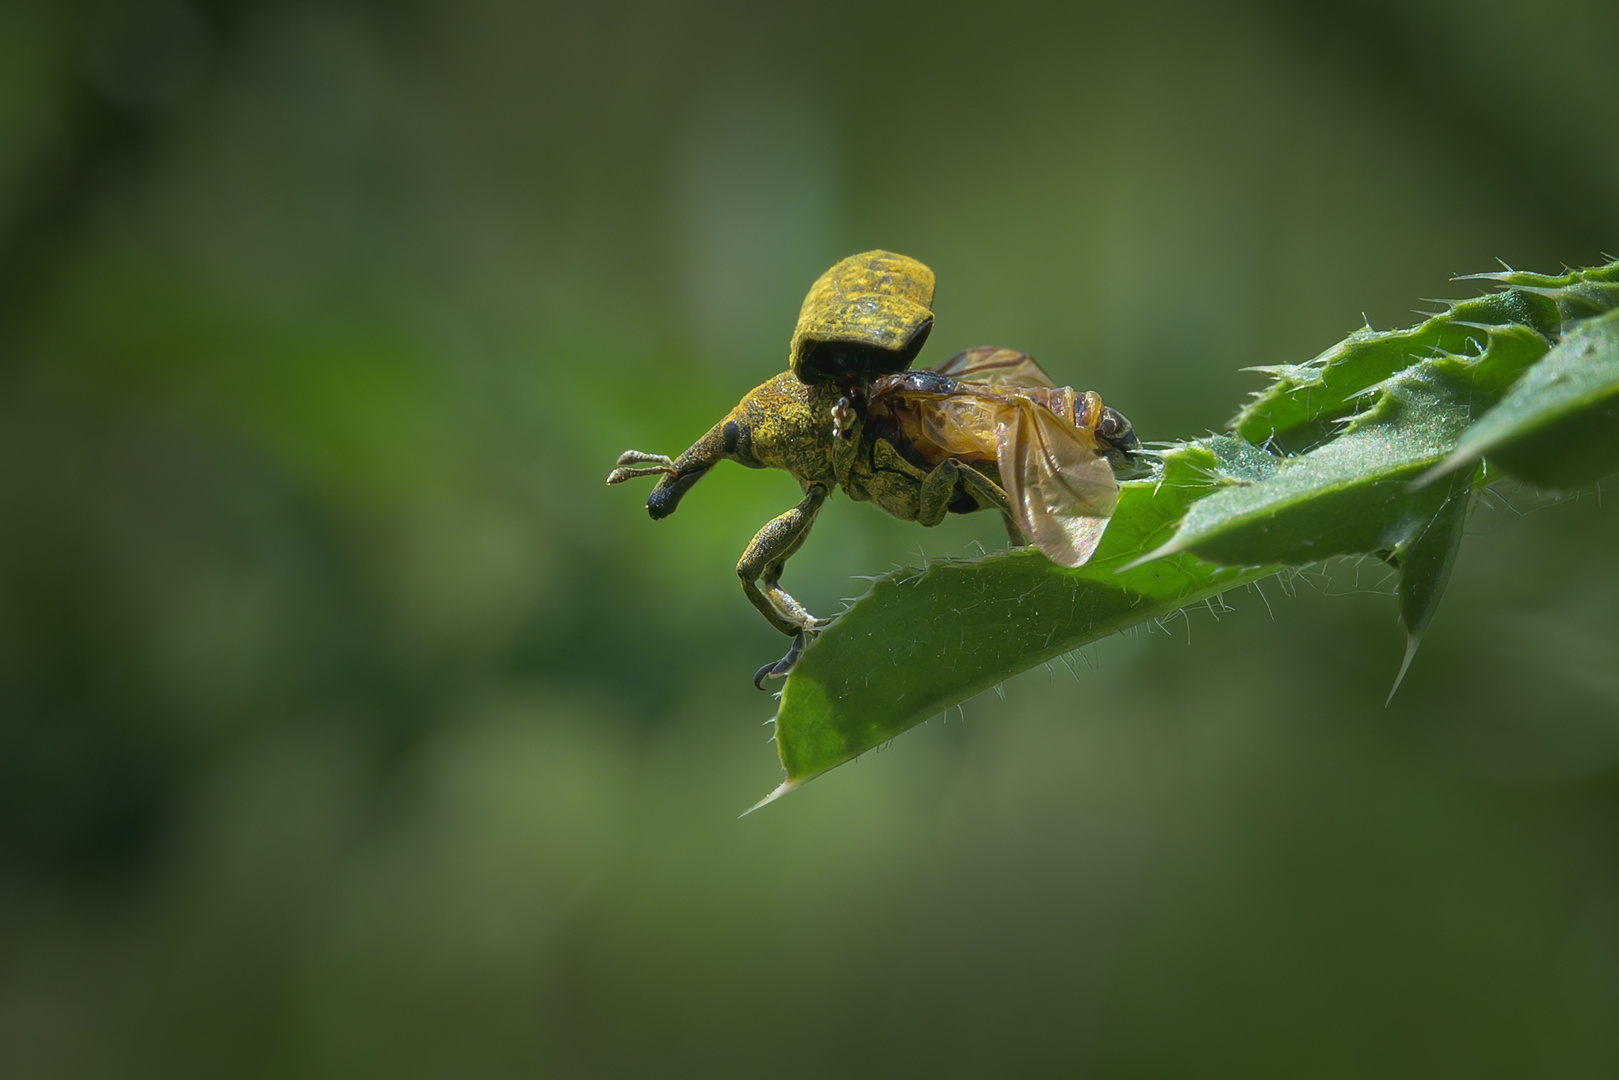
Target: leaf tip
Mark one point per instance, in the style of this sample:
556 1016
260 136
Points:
1411 643
783 788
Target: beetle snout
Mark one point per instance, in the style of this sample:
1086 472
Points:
669 491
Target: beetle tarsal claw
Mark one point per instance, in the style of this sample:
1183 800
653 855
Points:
781 667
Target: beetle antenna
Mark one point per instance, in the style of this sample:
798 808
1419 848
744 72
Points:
633 463
619 475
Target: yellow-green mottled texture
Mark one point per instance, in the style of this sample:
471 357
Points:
788 426
877 299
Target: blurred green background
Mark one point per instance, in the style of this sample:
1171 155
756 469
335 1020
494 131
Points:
352 727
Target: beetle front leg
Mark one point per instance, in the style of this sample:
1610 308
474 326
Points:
763 563
768 554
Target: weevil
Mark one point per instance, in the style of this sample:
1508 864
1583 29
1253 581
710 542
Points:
986 430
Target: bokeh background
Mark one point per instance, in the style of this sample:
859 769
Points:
349 726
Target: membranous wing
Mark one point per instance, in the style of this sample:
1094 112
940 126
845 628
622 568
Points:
997 404
995 368
1061 488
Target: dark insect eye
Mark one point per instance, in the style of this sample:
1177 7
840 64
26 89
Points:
1113 428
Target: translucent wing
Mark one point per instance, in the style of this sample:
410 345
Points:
963 426
939 417
1043 438
995 368
1061 489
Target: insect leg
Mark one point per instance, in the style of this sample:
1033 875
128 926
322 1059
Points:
939 488
785 664
763 562
845 449
989 493
938 491
768 554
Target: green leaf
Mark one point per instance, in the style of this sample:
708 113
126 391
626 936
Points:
1425 555
1578 294
1368 419
1559 426
1353 495
922 641
1303 400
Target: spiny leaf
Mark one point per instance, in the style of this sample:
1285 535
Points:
1578 294
1227 510
1353 495
922 641
1425 556
1303 400
1559 426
